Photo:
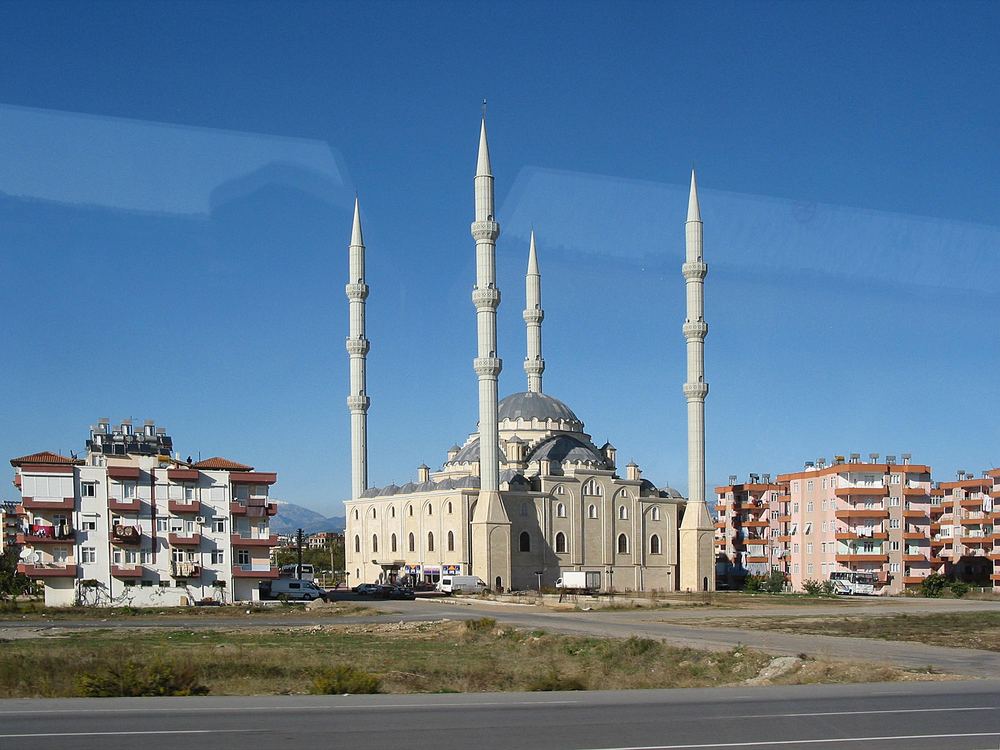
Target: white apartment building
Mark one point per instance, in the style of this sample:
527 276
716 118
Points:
133 525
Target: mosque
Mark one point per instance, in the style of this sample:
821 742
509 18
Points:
529 496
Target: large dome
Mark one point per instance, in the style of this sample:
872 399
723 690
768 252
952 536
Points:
528 405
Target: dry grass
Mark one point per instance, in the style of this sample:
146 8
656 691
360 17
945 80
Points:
407 657
955 629
21 611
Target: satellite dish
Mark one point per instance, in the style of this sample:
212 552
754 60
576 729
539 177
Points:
26 552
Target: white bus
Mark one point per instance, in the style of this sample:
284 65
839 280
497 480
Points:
854 582
307 573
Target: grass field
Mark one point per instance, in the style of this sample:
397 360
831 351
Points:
955 629
21 611
412 657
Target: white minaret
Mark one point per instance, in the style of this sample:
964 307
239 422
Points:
357 350
534 365
490 551
697 559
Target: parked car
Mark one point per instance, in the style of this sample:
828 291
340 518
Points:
366 589
402 592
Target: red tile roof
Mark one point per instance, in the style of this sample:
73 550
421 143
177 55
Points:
219 463
45 457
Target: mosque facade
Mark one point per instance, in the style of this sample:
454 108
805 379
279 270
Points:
529 495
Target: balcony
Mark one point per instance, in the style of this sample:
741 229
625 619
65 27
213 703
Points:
184 506
914 558
914 535
49 570
995 577
756 524
45 535
184 540
237 540
184 569
861 491
976 540
848 514
936 561
911 580
860 535
916 491
182 475
34 503
129 535
759 559
866 557
254 570
124 506
126 571
720 524
916 513
241 507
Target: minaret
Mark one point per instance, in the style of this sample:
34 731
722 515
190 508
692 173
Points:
490 551
534 365
697 555
357 349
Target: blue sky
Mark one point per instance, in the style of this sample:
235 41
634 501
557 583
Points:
175 188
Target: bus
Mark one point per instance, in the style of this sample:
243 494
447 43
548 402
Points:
854 582
308 573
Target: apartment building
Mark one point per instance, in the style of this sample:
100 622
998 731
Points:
133 524
751 530
965 528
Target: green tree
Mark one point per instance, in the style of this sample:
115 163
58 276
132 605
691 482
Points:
12 583
933 585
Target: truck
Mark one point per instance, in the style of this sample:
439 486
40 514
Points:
461 584
579 580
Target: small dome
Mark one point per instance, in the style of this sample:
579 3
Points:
565 448
528 405
470 453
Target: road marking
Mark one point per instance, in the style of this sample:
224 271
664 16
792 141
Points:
862 713
772 743
219 709
128 734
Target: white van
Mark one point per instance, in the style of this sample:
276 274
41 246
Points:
461 584
295 588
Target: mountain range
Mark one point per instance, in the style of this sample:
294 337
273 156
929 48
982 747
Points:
291 517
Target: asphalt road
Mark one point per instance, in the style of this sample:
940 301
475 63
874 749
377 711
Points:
894 716
674 626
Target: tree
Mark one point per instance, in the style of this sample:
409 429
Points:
12 583
933 585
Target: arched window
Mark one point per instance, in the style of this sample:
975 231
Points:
593 487
560 510
430 541
623 495
374 542
654 544
560 490
451 541
449 508
560 542
409 508
592 511
356 515
357 543
622 512
524 510
654 514
622 544
412 542
373 512
524 542
392 511
392 542
430 509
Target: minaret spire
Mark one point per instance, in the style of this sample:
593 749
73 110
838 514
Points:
534 365
357 350
491 560
697 558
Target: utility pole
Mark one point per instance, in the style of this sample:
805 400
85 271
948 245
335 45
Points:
298 545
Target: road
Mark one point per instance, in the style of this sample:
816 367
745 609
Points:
676 626
894 716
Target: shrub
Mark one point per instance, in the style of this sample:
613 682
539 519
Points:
552 680
133 679
774 583
933 585
959 589
828 588
812 587
481 625
753 583
345 679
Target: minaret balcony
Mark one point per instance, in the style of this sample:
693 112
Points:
488 366
695 270
357 292
488 297
695 329
357 347
485 230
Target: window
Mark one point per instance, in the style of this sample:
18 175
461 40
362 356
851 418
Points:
88 525
654 514
809 548
243 555
218 557
430 541
893 523
795 548
451 541
357 543
824 525
524 542
449 508
88 490
809 507
357 516
795 507
809 485
894 567
592 487
373 513
592 511
560 510
128 490
654 544
560 543
560 490
410 509
163 524
412 541
392 511
894 546
811 567
392 543
893 501
374 542
219 526
622 513
88 554
622 544
430 509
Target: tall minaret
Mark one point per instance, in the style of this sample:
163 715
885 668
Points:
534 365
357 349
490 551
697 555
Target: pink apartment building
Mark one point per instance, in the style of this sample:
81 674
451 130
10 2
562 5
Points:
751 531
965 528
